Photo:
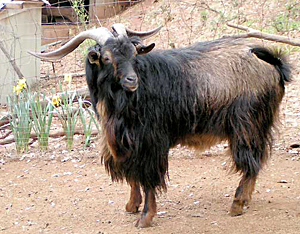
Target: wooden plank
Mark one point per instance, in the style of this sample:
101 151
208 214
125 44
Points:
13 6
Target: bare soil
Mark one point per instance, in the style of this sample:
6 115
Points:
69 192
75 195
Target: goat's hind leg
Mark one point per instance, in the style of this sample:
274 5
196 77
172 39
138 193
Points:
149 210
249 161
243 195
135 198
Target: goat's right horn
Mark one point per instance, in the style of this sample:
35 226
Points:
100 35
120 29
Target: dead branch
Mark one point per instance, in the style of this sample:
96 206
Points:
63 75
56 134
5 126
12 61
266 36
6 135
4 122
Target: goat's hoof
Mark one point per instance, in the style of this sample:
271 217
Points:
236 209
132 208
143 222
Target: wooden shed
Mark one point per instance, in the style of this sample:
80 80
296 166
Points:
59 21
20 31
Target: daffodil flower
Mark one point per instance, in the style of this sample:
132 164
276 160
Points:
20 86
22 83
17 89
56 100
68 78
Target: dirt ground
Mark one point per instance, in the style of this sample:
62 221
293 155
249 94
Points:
69 192
75 195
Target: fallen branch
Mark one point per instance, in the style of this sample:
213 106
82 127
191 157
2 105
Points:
266 36
60 76
53 135
6 135
4 123
5 126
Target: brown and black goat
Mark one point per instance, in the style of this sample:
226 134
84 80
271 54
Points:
226 89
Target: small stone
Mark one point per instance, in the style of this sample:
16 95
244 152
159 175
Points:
161 212
198 215
65 159
67 173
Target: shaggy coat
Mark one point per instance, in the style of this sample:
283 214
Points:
227 89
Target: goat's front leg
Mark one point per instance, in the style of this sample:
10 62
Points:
149 210
135 198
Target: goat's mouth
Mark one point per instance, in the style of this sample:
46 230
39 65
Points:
129 84
130 88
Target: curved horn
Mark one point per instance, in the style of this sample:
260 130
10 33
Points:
100 35
120 29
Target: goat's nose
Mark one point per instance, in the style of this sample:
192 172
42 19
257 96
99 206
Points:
130 79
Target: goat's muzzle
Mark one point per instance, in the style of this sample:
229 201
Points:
130 83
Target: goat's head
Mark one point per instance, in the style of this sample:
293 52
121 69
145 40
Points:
117 50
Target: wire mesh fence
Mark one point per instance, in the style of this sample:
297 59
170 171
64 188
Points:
43 26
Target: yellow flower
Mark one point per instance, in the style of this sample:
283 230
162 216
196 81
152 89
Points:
56 100
17 89
68 78
22 83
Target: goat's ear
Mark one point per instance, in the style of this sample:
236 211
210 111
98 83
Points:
141 49
93 57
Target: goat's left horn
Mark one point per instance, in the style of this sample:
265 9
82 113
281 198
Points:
120 29
100 35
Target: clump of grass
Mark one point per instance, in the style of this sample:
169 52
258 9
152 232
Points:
20 120
86 113
42 114
67 113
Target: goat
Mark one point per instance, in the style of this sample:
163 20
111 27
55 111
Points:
148 102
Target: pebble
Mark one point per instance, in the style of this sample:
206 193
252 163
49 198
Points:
162 212
198 215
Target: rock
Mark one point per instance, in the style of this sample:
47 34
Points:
198 215
161 212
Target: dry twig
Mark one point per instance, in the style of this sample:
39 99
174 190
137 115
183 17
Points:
266 36
6 135
12 61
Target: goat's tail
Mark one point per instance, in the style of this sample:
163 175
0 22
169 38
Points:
277 59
